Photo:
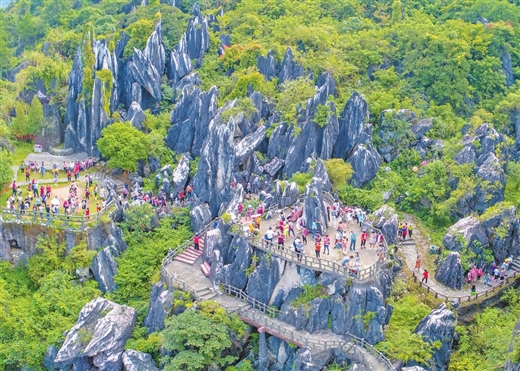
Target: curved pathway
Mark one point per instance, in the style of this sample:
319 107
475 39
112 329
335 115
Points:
369 258
260 315
410 251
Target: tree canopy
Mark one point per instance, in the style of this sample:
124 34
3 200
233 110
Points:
123 145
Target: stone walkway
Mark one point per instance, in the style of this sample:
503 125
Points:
368 257
420 245
177 273
50 160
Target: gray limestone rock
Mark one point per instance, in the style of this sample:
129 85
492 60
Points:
297 317
387 221
180 62
507 67
413 368
200 216
314 209
449 272
267 66
138 361
197 35
319 314
264 278
307 361
180 175
237 269
158 308
48 359
439 325
351 125
365 161
190 119
249 144
497 229
321 173
289 70
135 115
99 336
286 194
104 268
274 166
472 232
212 182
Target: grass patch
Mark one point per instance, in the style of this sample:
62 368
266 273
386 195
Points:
410 307
310 292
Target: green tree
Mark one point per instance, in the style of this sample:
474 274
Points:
35 118
198 341
6 171
339 172
19 124
123 145
294 92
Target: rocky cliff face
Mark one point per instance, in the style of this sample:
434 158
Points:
438 326
190 120
213 179
449 272
98 337
355 145
90 96
481 150
497 230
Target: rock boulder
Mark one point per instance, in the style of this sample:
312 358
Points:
99 336
449 272
138 361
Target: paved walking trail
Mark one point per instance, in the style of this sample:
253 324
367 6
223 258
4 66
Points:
368 257
177 273
419 246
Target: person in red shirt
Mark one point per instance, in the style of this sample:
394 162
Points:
280 240
87 213
425 276
196 242
364 237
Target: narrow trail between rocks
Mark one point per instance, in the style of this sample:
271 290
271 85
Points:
410 249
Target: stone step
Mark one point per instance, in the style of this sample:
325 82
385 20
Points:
205 268
185 259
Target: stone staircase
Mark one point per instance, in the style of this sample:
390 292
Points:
190 255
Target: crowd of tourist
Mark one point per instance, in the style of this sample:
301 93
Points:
290 231
43 199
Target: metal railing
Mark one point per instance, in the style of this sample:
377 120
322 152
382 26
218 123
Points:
173 252
48 218
267 319
322 265
174 281
471 296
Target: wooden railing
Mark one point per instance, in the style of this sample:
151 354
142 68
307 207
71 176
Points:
44 218
468 297
267 319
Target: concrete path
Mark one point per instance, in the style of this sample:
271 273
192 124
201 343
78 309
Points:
368 257
419 246
178 274
51 159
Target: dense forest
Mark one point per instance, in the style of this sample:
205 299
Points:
454 61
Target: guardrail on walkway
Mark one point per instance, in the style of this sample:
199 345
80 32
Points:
266 320
313 263
44 218
173 252
174 281
468 297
